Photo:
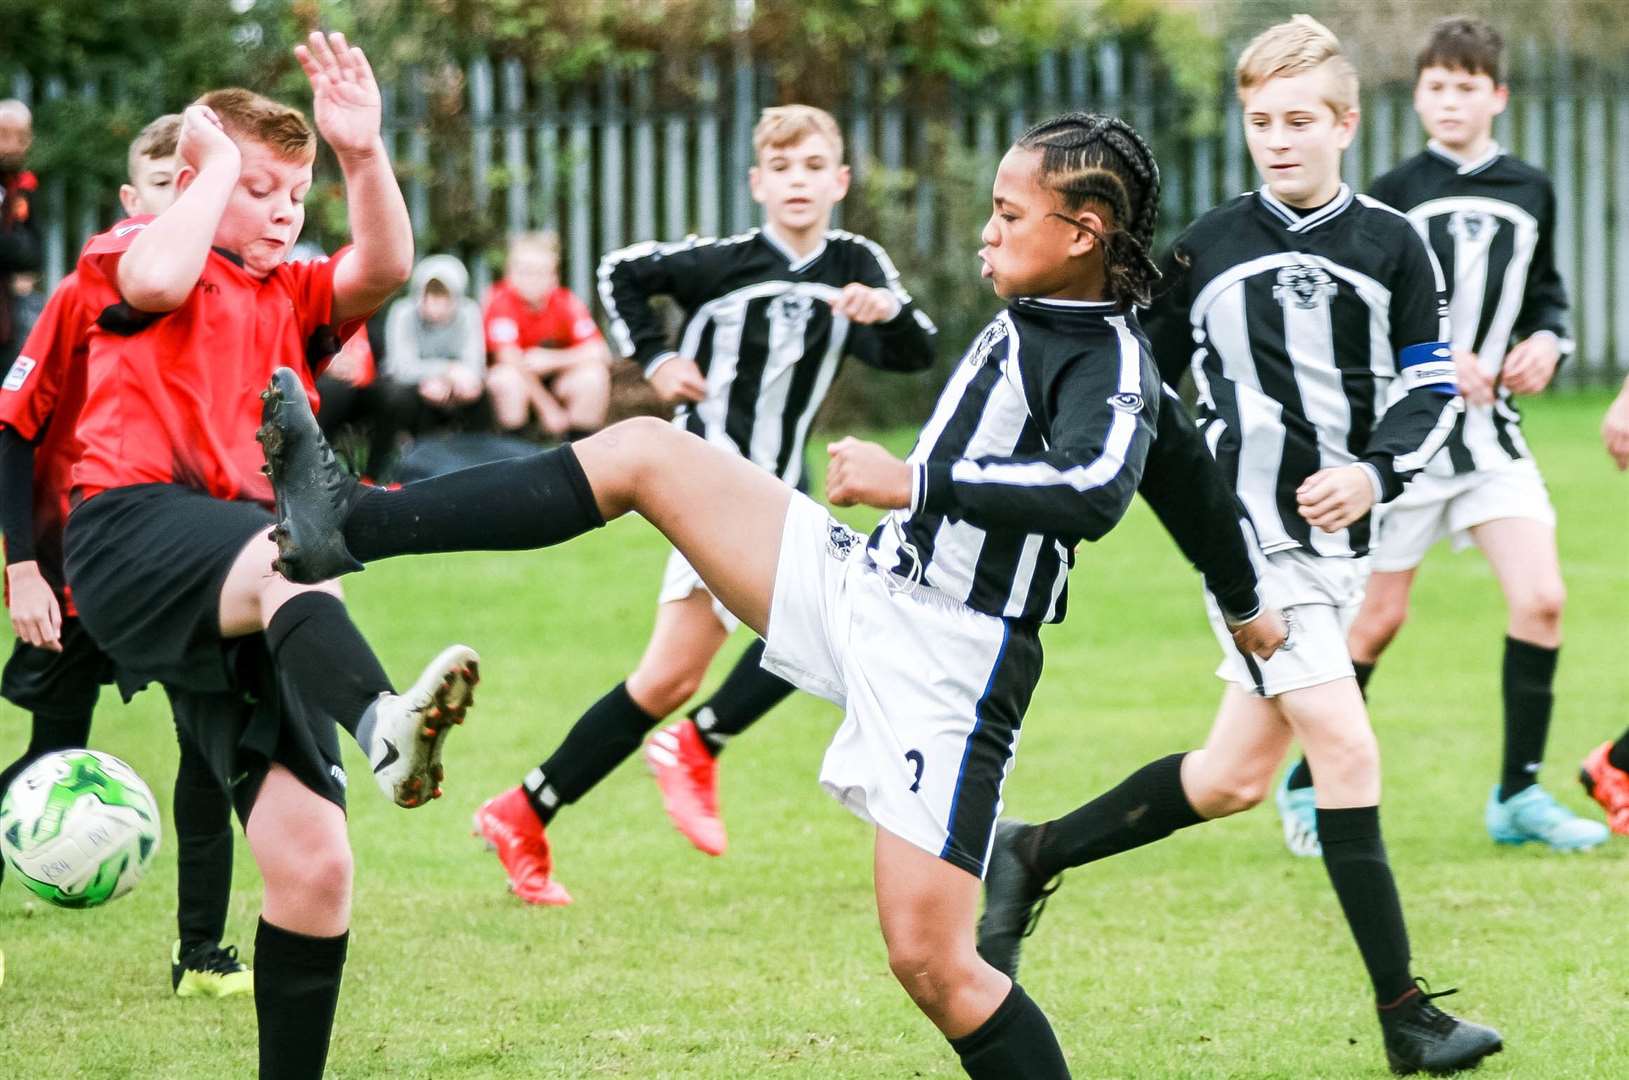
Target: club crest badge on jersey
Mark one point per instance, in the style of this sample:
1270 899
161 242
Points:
1127 403
841 540
21 368
792 309
1472 226
1306 287
985 343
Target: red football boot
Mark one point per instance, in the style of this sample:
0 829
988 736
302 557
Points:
510 827
688 777
1608 785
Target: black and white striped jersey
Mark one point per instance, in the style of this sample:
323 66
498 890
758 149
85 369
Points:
1315 340
758 323
1037 442
1491 224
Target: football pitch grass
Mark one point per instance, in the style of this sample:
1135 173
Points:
1212 954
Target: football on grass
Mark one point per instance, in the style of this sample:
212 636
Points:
79 828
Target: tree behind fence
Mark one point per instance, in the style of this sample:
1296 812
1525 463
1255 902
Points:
631 155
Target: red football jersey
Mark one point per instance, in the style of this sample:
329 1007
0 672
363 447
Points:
175 398
41 398
560 322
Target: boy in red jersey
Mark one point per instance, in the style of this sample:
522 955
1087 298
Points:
167 547
55 669
547 355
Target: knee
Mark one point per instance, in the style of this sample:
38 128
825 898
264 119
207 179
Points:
929 973
1234 795
320 875
1217 788
1350 758
662 690
1381 620
1540 606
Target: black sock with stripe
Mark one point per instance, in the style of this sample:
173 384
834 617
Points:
747 693
1529 696
600 740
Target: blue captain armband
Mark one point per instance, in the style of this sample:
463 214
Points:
1431 364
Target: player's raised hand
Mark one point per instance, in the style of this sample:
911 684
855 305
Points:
35 614
204 141
1263 635
1531 365
1331 499
1474 386
863 304
1615 428
864 473
345 98
679 379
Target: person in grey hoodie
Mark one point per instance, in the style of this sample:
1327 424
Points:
434 345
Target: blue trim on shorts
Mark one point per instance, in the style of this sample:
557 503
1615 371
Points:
967 749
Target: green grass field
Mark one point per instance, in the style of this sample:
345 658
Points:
1213 954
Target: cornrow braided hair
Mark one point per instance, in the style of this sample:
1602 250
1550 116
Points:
1088 157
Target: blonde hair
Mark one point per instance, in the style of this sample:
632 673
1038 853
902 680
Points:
247 115
542 242
783 125
156 142
1291 48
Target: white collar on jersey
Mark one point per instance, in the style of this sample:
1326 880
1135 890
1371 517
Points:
794 261
1295 222
1465 166
1046 301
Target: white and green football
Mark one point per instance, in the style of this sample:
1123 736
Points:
79 828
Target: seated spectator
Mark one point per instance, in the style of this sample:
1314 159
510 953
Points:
434 346
548 358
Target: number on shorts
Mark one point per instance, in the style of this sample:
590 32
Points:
915 758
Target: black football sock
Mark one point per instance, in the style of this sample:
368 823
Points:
325 663
1355 857
203 844
600 740
1301 776
296 992
1146 806
1618 754
1529 681
1016 1042
47 732
513 505
747 693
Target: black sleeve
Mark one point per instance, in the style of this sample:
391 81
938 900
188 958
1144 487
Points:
903 343
688 271
1165 321
17 496
1188 493
1544 303
20 248
1415 426
1078 488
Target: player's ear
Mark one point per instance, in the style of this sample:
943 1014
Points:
755 185
184 176
843 178
1084 241
130 200
1346 128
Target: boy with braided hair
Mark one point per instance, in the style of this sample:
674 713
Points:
1029 451
1313 323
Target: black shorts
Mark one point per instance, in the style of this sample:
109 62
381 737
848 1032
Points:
62 683
241 734
147 564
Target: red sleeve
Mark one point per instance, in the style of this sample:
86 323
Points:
573 323
500 319
102 252
28 394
